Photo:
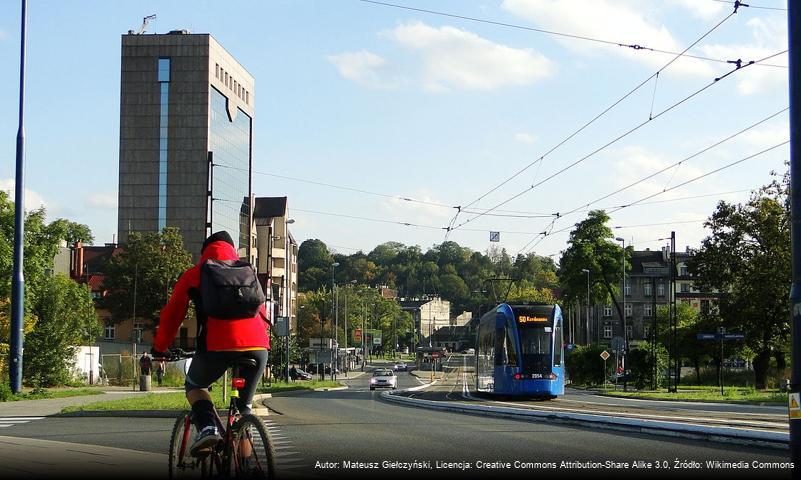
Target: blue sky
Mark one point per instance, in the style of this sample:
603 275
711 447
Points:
438 109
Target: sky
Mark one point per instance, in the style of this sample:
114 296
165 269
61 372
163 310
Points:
378 121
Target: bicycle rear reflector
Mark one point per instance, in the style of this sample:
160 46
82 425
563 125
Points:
238 382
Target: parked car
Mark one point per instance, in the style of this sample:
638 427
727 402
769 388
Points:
383 378
469 351
400 366
298 374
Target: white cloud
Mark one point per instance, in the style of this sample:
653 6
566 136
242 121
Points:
634 163
365 68
102 200
33 200
455 58
769 37
703 9
608 20
523 137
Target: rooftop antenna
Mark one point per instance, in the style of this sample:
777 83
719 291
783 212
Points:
145 21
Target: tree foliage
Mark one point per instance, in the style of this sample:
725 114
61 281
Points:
747 258
66 318
591 246
456 273
150 264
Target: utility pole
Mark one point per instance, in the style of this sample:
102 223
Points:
794 41
18 278
673 319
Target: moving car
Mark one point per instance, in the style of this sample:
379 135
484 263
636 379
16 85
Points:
383 378
400 366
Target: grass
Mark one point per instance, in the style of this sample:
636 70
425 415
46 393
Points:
38 394
177 400
710 394
277 387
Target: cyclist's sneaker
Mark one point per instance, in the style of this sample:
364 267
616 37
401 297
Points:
205 440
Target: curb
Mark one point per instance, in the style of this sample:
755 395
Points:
697 432
124 413
330 389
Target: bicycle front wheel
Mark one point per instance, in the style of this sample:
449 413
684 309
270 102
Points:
252 455
182 464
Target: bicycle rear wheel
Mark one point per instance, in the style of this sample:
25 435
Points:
252 455
182 464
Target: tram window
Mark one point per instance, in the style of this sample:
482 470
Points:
511 351
535 341
557 342
500 347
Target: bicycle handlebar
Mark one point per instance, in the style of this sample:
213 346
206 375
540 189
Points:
175 354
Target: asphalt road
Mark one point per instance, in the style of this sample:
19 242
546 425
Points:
352 433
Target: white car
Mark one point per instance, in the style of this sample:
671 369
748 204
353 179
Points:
383 378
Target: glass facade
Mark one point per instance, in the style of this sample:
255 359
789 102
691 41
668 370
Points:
164 84
229 142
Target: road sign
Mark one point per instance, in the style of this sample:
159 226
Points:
495 236
282 326
618 344
605 355
720 336
795 406
374 337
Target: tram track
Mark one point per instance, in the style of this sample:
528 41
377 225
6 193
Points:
456 389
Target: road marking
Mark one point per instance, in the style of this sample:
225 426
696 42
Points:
12 421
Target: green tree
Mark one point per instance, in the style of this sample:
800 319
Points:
149 265
641 365
591 246
747 258
66 318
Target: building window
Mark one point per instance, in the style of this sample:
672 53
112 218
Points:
646 288
164 69
97 295
705 307
217 70
629 330
628 309
607 310
685 288
646 332
627 288
647 311
660 289
684 271
164 83
109 331
607 331
138 330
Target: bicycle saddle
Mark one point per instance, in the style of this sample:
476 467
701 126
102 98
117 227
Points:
246 362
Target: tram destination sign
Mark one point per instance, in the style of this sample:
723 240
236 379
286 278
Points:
527 319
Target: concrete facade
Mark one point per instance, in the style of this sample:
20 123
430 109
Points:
167 129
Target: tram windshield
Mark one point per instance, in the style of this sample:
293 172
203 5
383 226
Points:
535 346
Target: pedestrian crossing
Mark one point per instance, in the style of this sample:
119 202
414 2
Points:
287 456
6 422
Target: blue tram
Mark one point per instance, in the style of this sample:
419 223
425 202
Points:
519 351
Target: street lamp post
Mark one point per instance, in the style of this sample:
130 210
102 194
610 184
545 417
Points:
347 355
334 306
287 292
625 330
584 270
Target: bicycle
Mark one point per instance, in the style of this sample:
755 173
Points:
245 450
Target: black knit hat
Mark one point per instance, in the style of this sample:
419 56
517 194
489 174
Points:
221 236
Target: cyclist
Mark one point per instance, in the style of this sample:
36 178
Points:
219 341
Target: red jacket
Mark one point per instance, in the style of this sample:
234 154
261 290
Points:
248 333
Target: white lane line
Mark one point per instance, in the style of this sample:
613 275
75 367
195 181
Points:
21 418
4 425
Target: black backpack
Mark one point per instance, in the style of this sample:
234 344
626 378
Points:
229 289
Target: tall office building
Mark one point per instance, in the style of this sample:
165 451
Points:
186 129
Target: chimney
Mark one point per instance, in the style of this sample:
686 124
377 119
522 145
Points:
76 269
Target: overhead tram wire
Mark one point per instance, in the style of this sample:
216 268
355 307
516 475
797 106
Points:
749 5
633 46
680 162
641 200
590 122
613 141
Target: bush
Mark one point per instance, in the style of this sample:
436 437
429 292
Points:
640 365
5 392
584 365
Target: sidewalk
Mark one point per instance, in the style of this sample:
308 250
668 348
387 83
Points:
53 406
